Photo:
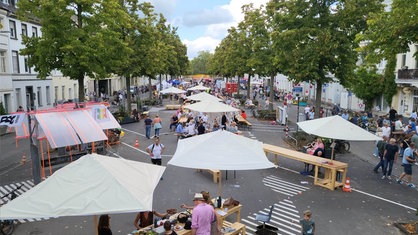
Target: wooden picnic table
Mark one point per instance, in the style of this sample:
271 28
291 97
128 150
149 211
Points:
331 166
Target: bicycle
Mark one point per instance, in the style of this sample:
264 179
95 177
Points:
7 226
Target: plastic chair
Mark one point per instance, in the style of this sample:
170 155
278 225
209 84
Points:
265 218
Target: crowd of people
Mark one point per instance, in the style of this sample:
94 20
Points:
201 216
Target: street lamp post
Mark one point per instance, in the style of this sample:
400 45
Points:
297 118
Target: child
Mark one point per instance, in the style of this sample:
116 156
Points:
308 225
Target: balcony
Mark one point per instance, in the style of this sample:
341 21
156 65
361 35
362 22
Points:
408 74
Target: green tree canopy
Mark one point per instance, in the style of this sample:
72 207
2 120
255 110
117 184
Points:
199 64
78 37
314 39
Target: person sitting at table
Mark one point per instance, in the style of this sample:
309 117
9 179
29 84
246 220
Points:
315 145
233 128
167 228
146 218
215 126
243 114
191 129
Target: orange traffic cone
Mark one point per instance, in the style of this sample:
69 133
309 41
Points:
136 143
347 187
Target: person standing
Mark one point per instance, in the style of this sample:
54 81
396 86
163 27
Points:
157 125
386 130
224 120
307 223
390 156
381 146
148 125
407 161
203 215
104 225
155 151
392 114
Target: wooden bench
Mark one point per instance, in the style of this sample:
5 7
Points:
172 106
331 166
215 173
239 228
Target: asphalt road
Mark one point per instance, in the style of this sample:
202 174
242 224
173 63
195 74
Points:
372 208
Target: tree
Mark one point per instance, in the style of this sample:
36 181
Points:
314 39
78 37
389 33
199 64
256 25
365 78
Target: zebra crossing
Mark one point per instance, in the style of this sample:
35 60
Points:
283 187
285 216
24 186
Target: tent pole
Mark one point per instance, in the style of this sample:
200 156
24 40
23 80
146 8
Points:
95 225
220 183
42 159
332 149
49 159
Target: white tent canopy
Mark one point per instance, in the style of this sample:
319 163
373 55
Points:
211 107
203 96
220 150
336 127
172 90
92 185
198 88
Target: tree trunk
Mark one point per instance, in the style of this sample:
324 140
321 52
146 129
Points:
318 98
238 85
249 86
150 88
128 95
271 96
81 95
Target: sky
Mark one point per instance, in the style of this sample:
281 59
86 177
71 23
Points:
202 24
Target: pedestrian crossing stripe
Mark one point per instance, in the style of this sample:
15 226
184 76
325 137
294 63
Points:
25 186
283 187
285 218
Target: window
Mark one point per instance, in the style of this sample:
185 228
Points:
2 61
15 61
416 57
24 30
63 92
12 26
39 96
18 97
34 32
48 95
403 60
27 68
56 93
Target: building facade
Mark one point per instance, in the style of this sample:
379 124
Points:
19 85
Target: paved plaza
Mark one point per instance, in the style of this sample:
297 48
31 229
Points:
372 207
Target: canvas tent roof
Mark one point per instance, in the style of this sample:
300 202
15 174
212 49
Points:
92 185
78 126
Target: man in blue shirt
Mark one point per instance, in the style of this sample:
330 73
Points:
407 161
345 115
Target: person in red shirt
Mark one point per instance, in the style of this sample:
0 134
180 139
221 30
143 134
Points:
243 114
